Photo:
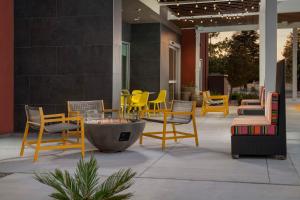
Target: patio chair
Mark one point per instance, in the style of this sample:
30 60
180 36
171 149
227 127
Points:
124 99
161 99
135 96
253 109
182 112
55 123
259 135
214 103
83 108
142 104
255 101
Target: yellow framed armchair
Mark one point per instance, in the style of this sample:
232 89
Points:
56 123
181 112
216 103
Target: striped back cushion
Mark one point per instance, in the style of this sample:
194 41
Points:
271 108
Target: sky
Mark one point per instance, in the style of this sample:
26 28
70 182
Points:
282 35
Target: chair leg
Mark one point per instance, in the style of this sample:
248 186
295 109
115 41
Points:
163 145
82 140
141 139
38 143
147 108
174 132
203 112
195 131
24 139
165 105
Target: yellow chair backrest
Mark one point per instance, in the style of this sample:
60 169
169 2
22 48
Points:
136 92
124 93
136 95
162 96
144 99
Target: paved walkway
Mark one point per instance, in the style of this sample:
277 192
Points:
182 172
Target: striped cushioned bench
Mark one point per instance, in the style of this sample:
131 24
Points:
259 125
255 101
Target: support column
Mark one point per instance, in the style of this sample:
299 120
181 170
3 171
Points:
6 66
117 53
295 62
198 70
268 43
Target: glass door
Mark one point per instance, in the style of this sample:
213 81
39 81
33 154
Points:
125 65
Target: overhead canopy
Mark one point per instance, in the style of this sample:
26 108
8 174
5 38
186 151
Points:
216 13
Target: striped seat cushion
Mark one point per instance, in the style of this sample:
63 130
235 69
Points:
259 125
256 125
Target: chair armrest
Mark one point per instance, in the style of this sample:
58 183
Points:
218 97
73 113
77 118
61 115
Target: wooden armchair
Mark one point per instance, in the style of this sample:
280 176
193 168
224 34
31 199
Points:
214 103
181 112
56 123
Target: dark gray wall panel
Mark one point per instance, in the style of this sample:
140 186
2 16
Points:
126 32
84 7
63 51
145 57
36 61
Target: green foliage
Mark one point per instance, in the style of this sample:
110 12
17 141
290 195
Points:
288 56
238 57
84 185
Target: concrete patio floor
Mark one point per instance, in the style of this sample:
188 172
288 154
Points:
182 172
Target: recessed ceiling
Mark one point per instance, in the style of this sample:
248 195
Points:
135 12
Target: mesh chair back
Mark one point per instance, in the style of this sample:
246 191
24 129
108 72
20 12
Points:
84 106
182 106
33 115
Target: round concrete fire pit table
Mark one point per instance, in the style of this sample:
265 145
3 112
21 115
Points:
113 135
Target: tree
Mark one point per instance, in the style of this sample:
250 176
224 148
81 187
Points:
217 53
243 58
288 56
238 57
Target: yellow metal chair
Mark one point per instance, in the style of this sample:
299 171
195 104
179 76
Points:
124 99
142 104
135 96
182 112
214 103
56 123
161 99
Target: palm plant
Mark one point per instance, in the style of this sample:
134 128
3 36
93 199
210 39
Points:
84 185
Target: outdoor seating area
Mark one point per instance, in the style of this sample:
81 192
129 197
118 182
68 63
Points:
150 100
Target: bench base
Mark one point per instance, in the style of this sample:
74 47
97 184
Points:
258 146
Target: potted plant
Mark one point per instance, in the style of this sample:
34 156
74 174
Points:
85 183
